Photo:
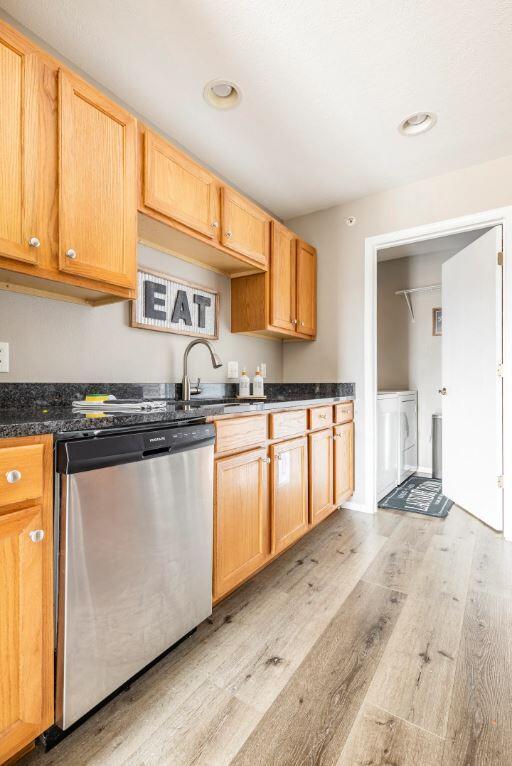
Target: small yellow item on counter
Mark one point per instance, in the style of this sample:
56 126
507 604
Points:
97 397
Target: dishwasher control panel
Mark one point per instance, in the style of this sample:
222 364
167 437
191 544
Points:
102 451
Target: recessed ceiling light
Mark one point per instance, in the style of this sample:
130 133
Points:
222 94
417 123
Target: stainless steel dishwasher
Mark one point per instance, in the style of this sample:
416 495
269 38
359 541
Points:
135 555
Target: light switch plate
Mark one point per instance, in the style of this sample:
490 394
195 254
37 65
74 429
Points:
232 369
4 357
263 370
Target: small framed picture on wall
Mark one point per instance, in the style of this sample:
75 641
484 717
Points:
437 321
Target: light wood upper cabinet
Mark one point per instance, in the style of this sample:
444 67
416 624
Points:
26 613
306 288
343 462
244 227
21 237
98 202
241 533
282 278
289 492
321 475
179 188
281 302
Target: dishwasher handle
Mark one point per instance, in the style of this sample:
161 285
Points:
88 454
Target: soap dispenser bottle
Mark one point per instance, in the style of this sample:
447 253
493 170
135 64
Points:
257 384
244 384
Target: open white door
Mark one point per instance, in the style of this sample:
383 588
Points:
471 355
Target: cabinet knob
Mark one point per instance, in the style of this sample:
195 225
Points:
302 324
36 535
322 415
34 242
71 253
442 391
279 457
214 224
13 476
265 459
229 234
294 321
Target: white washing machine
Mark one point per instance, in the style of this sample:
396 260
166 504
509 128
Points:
397 438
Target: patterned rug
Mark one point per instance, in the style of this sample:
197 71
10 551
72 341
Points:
418 495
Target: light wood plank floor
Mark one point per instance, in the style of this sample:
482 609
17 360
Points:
381 639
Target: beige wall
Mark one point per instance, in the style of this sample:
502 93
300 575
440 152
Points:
338 352
409 356
65 342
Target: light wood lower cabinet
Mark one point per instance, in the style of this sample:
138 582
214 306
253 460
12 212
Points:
321 475
258 516
289 492
343 462
241 521
26 614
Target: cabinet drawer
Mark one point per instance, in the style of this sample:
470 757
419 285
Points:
344 413
21 473
320 417
240 432
284 424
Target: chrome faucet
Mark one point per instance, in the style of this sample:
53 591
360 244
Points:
186 391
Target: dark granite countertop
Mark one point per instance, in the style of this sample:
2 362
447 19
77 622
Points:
20 421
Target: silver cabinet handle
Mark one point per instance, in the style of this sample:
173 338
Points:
37 535
442 391
214 224
71 253
34 242
279 457
229 234
13 476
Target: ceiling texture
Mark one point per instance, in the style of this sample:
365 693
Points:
325 84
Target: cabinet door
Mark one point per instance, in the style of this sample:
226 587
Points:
19 98
98 198
343 462
179 188
289 498
26 682
241 531
282 278
306 289
244 227
320 475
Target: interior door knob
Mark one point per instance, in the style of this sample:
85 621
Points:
442 391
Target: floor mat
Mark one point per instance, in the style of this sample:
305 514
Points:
418 495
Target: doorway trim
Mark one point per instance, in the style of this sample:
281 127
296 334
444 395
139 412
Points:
499 216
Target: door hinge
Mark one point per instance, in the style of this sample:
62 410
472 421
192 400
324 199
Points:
499 371
500 482
500 259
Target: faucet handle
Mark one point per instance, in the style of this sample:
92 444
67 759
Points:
198 382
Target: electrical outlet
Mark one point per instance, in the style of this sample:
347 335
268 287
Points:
263 370
4 357
232 369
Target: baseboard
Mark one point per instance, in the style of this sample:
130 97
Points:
349 505
424 469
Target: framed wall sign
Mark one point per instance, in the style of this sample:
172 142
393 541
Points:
168 304
437 321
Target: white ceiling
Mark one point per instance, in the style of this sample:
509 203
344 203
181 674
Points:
446 246
324 84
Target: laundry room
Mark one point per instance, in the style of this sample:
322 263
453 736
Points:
413 359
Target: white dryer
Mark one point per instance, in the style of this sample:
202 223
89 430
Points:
397 438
